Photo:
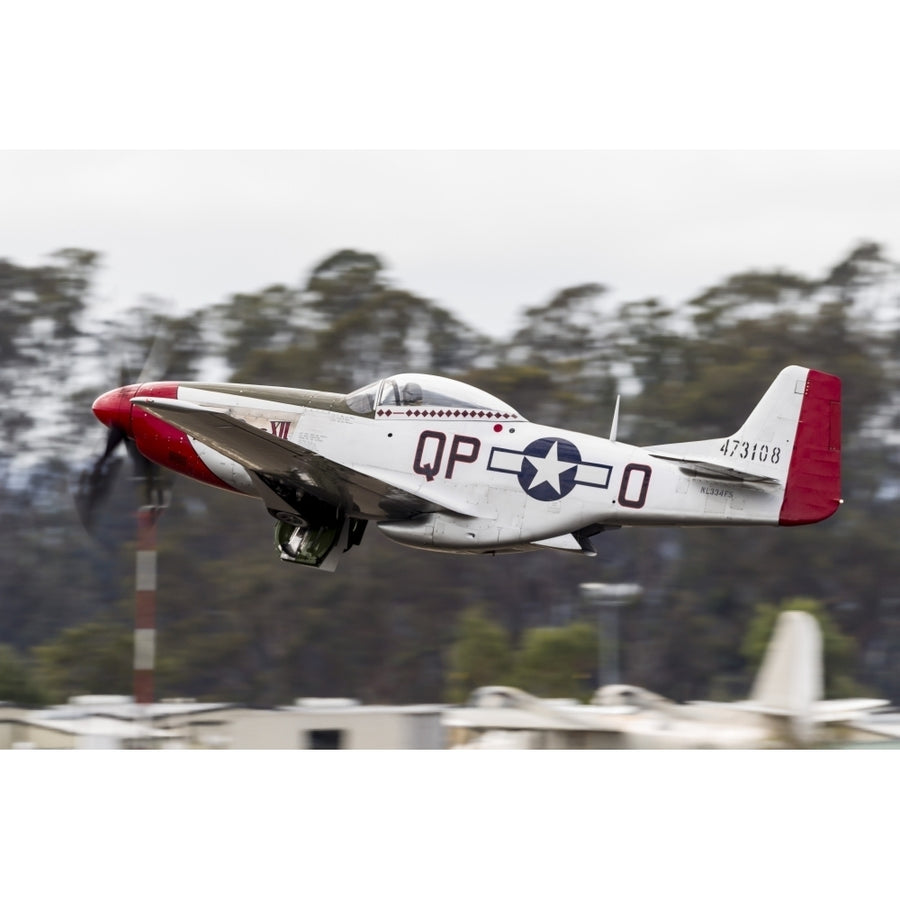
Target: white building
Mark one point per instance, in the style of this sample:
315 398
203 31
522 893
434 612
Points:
115 722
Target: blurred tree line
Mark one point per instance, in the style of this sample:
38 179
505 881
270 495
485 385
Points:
399 625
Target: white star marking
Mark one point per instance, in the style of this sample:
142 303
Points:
549 468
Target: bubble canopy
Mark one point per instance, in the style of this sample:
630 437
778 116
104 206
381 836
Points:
420 390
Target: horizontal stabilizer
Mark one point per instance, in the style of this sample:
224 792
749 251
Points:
713 469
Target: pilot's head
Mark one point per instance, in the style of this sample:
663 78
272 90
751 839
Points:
412 394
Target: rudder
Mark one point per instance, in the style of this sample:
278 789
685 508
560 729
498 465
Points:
813 488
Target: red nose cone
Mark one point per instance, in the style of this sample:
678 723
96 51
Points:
113 408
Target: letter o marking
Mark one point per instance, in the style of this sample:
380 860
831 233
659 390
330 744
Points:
631 495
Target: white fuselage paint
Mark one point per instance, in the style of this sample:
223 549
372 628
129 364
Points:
512 483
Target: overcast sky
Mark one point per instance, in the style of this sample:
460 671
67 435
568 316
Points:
484 233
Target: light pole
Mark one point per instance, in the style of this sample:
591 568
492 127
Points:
607 599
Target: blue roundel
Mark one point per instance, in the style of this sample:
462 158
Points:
549 468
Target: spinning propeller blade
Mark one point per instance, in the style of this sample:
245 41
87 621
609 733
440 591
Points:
96 482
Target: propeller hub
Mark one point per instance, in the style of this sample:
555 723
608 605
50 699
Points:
113 408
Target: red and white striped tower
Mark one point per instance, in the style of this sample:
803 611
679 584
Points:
145 604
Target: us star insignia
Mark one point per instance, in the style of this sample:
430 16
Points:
549 468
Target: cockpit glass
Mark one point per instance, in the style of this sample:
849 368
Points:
436 392
363 399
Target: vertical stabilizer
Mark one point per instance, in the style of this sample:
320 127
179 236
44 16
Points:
790 679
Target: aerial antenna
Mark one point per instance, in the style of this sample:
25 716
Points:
614 430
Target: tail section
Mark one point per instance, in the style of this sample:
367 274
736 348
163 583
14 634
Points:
790 683
792 440
790 679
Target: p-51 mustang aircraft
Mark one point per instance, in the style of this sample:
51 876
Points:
441 465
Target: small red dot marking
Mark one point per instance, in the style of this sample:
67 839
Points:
498 427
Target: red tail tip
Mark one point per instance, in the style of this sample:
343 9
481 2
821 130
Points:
813 489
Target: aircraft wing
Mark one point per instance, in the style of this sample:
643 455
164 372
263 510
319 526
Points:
845 710
261 452
869 725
